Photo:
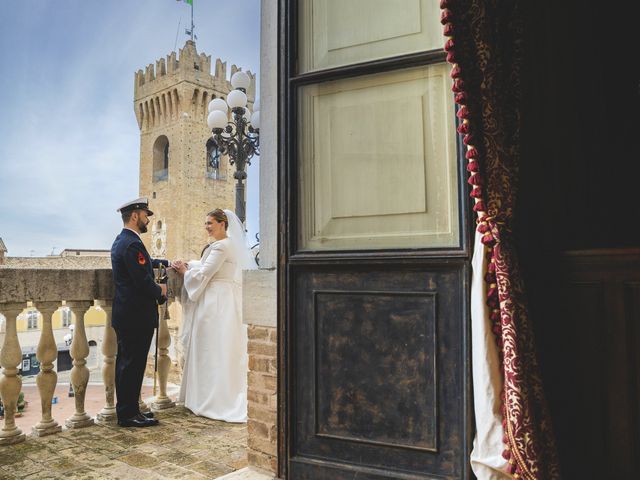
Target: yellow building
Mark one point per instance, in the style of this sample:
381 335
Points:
31 320
29 326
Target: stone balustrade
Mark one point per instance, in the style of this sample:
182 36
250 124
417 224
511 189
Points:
48 290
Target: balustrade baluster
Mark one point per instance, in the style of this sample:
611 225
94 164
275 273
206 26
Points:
109 350
10 382
79 372
46 353
162 401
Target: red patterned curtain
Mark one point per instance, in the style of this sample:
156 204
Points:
484 45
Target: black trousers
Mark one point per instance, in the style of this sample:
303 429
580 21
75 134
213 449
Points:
131 360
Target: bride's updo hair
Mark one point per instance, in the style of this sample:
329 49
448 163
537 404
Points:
220 216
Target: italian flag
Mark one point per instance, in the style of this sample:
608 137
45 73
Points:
190 2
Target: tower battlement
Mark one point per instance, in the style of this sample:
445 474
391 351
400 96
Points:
181 84
187 65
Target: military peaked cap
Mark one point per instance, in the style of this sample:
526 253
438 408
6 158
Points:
137 204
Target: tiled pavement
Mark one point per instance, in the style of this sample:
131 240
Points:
183 446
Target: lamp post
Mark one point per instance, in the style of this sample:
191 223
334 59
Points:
240 137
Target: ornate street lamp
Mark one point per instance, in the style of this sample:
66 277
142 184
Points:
239 138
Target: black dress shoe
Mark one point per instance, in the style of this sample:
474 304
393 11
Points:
138 421
148 415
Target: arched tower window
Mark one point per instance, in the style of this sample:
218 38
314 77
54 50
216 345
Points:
214 164
161 159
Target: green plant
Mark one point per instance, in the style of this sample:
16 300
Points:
22 404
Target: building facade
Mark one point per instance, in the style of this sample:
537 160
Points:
3 251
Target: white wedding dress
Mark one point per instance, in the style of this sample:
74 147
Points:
214 339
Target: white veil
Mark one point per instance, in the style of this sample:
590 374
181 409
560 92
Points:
239 247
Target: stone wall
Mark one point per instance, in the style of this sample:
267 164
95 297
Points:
262 398
81 262
259 307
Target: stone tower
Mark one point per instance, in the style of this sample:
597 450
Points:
170 103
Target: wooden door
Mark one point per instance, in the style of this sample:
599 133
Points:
374 250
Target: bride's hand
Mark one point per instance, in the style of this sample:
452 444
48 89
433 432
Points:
179 266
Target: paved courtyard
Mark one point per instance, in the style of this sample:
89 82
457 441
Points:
183 446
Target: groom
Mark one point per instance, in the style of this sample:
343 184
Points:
135 310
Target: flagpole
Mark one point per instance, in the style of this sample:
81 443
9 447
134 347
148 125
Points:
177 33
192 20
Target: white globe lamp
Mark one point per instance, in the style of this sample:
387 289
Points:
255 120
217 119
218 104
240 80
237 99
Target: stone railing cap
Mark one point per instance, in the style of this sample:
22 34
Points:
51 285
19 285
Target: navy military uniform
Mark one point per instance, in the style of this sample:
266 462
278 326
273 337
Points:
135 312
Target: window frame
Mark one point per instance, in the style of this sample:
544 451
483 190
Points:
161 174
65 317
289 85
212 172
32 319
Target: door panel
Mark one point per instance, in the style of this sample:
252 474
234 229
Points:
379 372
335 32
377 162
357 334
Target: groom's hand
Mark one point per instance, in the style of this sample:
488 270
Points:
163 290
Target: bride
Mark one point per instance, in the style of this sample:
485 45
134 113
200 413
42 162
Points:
214 339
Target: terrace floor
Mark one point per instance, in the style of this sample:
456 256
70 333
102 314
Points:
183 446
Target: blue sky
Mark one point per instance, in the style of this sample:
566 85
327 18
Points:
69 141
